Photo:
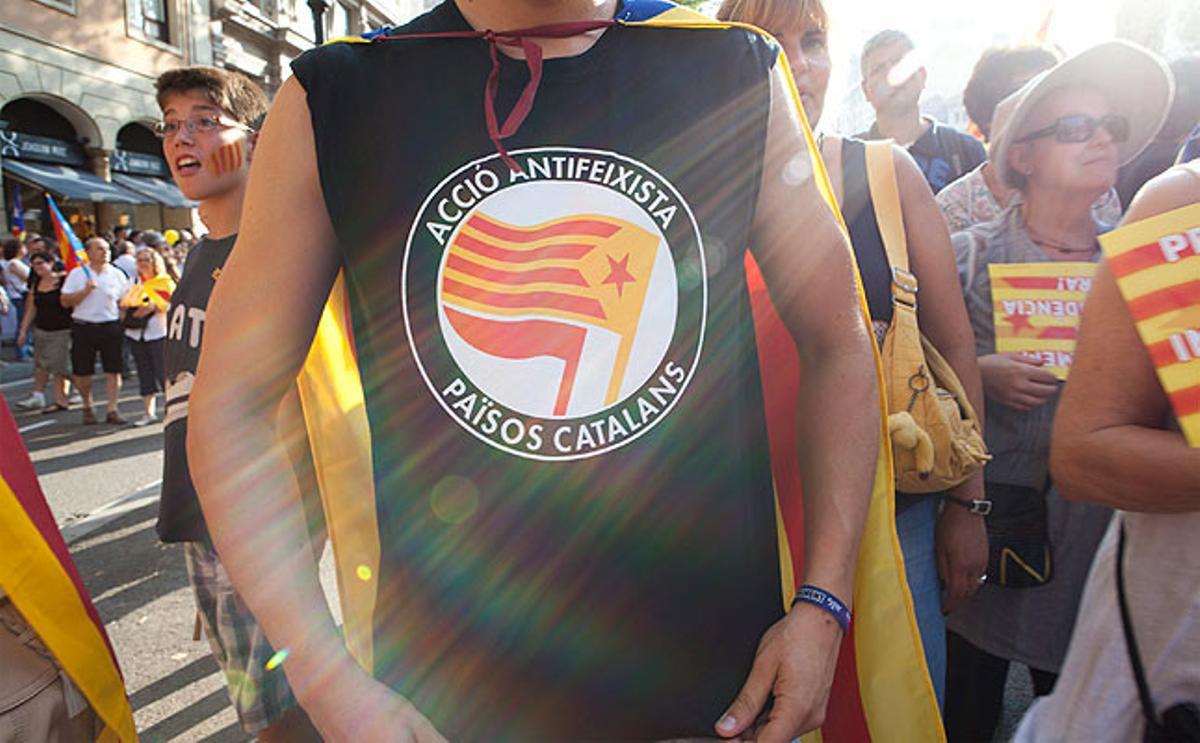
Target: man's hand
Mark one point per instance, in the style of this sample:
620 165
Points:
962 553
795 663
1016 380
359 708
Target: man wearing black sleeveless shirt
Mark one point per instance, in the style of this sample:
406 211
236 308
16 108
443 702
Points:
555 330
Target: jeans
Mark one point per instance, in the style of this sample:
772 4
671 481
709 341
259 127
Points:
915 526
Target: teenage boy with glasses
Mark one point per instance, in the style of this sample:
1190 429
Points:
208 133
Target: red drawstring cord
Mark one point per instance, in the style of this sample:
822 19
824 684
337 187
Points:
533 60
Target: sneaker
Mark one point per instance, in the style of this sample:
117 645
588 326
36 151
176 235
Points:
75 399
114 418
35 400
145 420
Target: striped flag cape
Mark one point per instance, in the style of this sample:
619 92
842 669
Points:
69 246
40 578
882 688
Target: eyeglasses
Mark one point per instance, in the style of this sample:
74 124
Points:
199 123
1081 128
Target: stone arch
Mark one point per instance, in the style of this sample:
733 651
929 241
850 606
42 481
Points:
138 136
85 126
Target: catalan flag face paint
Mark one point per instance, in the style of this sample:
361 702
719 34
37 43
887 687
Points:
226 159
547 330
210 162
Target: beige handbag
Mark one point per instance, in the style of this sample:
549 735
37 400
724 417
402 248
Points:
34 705
936 438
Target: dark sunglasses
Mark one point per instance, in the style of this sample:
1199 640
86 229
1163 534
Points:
1081 128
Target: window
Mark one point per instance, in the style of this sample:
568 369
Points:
148 18
340 22
67 6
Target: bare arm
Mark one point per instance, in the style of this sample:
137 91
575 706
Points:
247 490
1109 445
942 315
809 272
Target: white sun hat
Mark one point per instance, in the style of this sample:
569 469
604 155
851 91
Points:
1137 83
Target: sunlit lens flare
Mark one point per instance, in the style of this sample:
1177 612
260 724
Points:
454 499
903 70
277 659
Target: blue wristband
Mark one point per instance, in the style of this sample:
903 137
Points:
825 600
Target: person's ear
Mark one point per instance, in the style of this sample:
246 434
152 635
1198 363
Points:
922 75
1020 159
251 141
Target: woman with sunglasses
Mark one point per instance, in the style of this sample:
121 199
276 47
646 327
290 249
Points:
50 325
1068 131
144 315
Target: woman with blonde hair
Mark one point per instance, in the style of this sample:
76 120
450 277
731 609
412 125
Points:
938 535
144 316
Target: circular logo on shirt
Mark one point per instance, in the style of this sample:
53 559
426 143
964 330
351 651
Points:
558 311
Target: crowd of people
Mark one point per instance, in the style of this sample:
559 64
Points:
61 323
1011 563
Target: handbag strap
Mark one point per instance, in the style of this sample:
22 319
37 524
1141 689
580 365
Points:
1135 658
885 198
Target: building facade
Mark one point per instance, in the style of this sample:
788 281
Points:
77 100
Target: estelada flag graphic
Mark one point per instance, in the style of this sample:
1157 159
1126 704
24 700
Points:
1157 266
881 689
1036 309
69 245
522 292
39 577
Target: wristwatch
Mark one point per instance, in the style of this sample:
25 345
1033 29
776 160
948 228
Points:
981 506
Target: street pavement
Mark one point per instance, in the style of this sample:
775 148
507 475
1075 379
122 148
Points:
102 483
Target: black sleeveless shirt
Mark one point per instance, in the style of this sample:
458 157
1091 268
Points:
51 315
572 485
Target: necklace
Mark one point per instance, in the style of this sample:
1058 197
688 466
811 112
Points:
1058 245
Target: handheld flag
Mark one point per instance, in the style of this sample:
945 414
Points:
40 579
1156 263
69 245
156 291
18 228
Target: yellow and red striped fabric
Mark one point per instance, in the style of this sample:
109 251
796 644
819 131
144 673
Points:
40 578
1156 263
881 689
1036 309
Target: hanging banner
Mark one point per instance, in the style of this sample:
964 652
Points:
1157 266
1036 309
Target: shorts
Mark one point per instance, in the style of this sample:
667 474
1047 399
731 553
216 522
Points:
89 338
238 643
52 351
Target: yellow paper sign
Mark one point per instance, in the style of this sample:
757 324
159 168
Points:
1036 309
1157 266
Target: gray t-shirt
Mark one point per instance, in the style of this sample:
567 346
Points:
1030 625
